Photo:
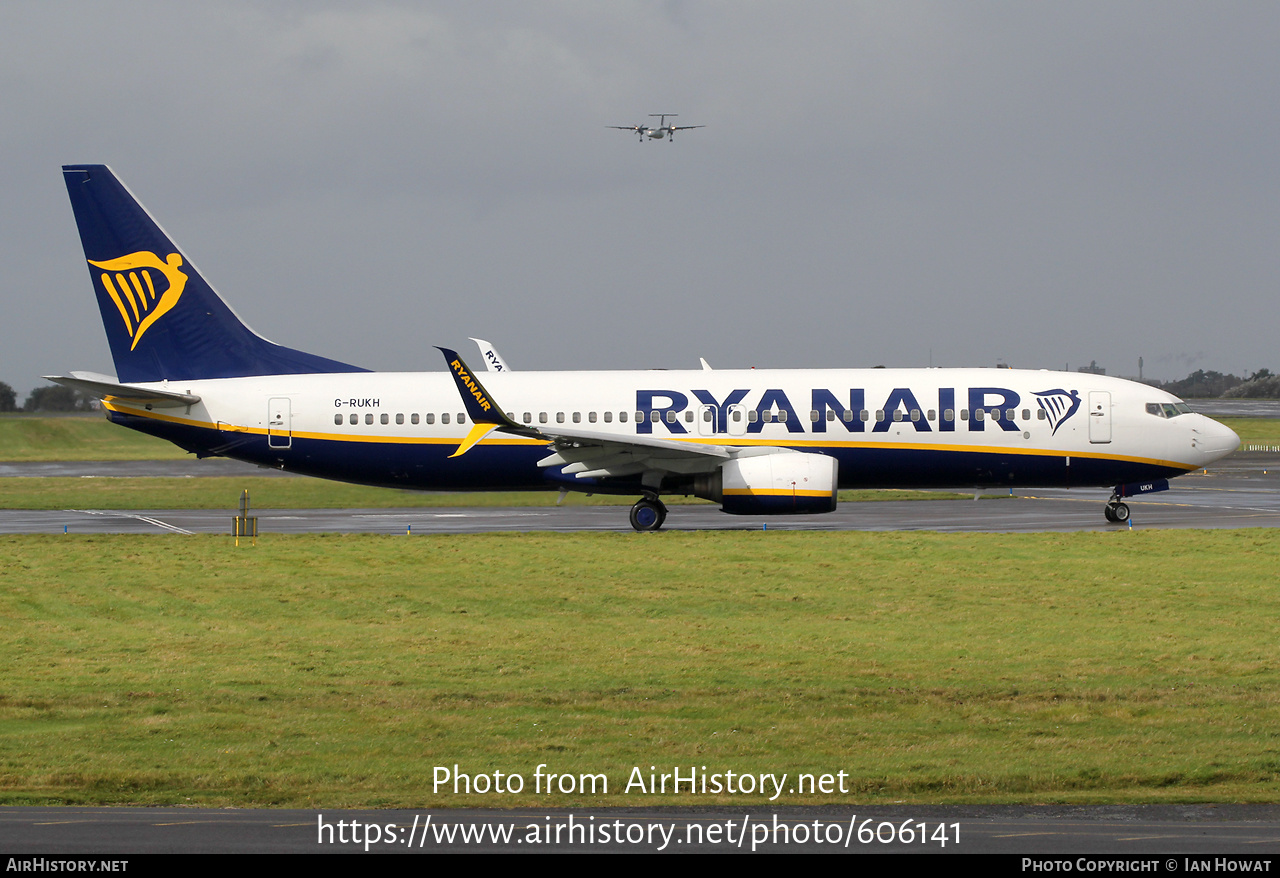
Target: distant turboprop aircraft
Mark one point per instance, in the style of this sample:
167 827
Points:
663 129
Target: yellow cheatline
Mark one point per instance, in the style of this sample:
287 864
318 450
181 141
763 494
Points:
774 492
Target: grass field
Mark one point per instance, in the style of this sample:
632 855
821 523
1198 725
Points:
1259 431
325 671
78 438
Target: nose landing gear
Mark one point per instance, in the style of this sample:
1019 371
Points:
1115 511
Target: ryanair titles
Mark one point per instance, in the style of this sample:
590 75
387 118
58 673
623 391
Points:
466 381
826 410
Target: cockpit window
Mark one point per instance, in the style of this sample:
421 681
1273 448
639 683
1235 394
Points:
1168 409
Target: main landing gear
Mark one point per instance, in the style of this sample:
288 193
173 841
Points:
648 514
1115 511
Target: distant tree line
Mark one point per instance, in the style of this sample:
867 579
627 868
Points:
1260 385
54 398
1201 385
1212 385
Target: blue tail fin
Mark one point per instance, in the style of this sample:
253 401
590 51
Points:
163 321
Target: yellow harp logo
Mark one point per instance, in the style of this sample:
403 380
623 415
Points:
129 283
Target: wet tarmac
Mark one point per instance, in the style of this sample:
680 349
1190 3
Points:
1241 491
1236 408
135 469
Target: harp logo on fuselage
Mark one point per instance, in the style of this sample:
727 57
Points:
1058 405
131 282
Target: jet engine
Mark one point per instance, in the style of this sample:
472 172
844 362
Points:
776 482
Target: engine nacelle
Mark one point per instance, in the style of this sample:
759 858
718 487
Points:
777 483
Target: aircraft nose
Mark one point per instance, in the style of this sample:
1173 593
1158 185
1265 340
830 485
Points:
1215 441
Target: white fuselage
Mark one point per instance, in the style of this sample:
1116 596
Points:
887 427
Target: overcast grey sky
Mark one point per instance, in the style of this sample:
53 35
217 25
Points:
878 183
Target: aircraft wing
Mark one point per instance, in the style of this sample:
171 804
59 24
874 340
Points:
107 388
603 456
584 453
686 127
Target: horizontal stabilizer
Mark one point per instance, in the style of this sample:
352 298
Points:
107 388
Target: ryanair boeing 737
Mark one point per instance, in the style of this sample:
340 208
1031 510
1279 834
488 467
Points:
755 441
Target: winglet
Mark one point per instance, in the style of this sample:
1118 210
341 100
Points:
481 408
492 359
478 432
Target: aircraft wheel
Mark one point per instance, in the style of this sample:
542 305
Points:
1120 513
1109 512
648 515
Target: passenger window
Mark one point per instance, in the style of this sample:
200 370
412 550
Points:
355 419
462 419
368 419
879 414
949 415
1040 415
964 414
933 414
444 418
1010 415
897 414
622 417
608 417
337 419
979 414
577 417
864 415
413 418
688 417
542 417
813 416
430 417
753 416
831 414
782 417
528 417
736 416
399 417
1026 414
385 419
559 417
591 417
